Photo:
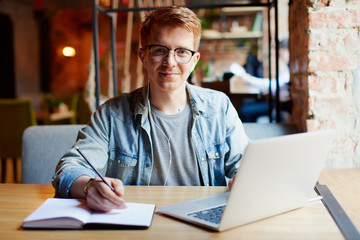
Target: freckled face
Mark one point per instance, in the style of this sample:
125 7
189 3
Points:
169 75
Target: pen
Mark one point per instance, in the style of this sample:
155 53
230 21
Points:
97 172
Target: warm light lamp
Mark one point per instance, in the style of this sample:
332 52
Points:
69 51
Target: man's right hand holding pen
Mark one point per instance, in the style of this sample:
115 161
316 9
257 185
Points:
102 194
99 196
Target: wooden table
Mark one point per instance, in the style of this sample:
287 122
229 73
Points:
18 200
44 116
236 92
345 186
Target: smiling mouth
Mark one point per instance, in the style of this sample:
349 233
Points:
168 74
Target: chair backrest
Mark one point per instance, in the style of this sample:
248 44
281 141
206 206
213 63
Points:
257 131
16 116
43 146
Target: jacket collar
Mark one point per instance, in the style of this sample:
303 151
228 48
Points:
141 104
196 103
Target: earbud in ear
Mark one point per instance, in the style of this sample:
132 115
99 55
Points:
145 64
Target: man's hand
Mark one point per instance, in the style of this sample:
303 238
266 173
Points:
99 196
230 183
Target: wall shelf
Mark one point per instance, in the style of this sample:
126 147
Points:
241 10
230 35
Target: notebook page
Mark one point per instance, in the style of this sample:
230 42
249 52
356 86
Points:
56 208
136 214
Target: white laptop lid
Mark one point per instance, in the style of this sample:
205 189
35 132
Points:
275 175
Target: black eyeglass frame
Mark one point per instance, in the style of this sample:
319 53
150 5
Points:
159 45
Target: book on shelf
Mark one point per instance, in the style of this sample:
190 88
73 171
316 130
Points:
257 24
65 213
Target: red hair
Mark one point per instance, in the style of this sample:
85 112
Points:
171 16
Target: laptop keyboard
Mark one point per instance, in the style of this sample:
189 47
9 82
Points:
211 215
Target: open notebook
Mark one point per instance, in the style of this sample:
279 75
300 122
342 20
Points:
62 213
275 175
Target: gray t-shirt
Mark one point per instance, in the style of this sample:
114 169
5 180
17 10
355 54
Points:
174 158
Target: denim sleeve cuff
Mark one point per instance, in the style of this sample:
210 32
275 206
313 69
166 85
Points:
69 176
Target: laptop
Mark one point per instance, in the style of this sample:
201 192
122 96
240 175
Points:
275 175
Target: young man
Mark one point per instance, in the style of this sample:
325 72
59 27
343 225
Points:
168 133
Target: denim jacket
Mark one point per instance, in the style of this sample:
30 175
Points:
117 140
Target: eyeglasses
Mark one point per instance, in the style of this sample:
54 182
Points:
160 52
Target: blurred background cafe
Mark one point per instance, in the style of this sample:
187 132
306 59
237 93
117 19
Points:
279 61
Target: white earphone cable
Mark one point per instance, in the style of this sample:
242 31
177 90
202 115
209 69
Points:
166 137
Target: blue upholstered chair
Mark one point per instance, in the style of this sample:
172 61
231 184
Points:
256 131
43 146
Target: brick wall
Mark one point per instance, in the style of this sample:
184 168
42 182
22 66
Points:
325 72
